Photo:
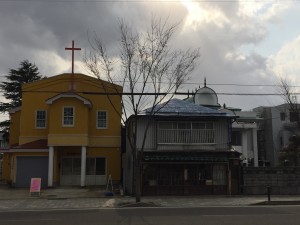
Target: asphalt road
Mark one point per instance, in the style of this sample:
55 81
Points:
253 215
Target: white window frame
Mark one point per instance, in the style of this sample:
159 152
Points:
63 117
97 119
36 119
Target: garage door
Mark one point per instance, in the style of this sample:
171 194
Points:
30 167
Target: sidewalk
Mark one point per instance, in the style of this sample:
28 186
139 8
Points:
94 198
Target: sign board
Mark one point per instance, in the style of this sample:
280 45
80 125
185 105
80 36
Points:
35 186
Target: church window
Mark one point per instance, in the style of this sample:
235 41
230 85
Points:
68 116
102 119
40 119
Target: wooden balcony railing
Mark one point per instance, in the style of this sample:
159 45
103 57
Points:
184 136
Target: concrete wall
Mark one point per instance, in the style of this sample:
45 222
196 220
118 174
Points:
283 181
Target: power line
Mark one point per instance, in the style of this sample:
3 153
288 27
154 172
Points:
161 93
148 1
209 84
212 84
219 84
249 85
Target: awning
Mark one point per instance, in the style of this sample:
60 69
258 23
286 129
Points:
178 158
205 157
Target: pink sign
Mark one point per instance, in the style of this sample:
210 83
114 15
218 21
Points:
35 185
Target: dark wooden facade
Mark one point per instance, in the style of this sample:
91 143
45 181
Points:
197 173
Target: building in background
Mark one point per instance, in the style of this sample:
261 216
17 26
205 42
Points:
64 133
278 125
244 135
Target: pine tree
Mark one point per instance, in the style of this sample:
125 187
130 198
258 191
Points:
12 88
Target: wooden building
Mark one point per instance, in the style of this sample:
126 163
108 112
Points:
187 151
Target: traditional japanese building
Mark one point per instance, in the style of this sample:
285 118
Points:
187 151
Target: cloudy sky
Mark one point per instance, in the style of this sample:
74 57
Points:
242 42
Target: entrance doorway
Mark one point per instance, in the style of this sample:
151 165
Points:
70 173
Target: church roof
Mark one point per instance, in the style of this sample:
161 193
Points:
40 145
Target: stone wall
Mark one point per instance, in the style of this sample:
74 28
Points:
283 181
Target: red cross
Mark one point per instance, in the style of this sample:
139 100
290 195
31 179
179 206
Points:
73 49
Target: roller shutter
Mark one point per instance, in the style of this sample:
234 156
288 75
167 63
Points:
31 167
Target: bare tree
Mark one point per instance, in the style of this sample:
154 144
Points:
288 94
150 72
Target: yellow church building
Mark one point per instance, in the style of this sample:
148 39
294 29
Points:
67 132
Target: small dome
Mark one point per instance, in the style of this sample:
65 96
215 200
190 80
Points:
207 97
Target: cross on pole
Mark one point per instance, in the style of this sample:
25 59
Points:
73 49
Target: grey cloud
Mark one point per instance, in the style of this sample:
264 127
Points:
45 25
29 29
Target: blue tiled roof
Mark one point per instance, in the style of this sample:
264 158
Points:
183 108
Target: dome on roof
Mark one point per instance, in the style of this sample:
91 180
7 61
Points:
207 97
